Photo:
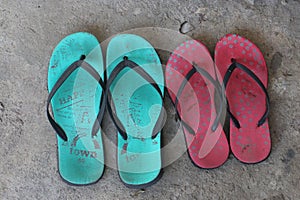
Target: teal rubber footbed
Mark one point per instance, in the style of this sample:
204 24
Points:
75 107
137 105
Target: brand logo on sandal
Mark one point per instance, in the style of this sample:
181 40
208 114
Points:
83 153
80 152
67 99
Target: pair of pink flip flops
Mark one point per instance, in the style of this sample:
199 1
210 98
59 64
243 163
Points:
239 74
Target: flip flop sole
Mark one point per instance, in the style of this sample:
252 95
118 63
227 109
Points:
75 107
137 105
196 107
250 143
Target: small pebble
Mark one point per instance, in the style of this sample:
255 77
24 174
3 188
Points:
185 27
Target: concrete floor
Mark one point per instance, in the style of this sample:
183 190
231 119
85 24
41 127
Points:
29 30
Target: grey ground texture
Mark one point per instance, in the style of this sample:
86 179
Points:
29 31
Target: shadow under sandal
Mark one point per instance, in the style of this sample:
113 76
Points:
244 74
76 97
135 89
190 80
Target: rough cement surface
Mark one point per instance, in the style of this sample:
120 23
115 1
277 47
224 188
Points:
29 30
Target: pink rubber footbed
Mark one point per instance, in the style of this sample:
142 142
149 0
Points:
206 148
247 101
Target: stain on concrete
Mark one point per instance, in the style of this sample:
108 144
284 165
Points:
276 61
290 154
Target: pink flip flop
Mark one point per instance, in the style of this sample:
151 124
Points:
244 74
190 80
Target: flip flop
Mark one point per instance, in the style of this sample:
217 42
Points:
244 72
136 89
76 97
190 80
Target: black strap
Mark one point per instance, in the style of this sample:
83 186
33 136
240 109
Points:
58 84
132 65
194 70
229 72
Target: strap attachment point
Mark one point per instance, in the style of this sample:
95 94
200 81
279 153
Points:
88 68
132 65
82 57
196 69
231 68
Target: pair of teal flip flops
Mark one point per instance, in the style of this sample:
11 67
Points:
133 94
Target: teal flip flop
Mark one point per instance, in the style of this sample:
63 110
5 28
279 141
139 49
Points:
135 98
77 102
